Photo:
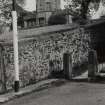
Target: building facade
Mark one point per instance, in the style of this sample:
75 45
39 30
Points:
47 5
44 9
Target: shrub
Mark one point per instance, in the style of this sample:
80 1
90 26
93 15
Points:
79 20
57 19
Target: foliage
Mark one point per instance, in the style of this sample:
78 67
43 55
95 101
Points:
81 8
21 2
57 19
5 11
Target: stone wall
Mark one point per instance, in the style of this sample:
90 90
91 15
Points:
35 54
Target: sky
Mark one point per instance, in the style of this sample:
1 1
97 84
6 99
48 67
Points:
31 5
100 12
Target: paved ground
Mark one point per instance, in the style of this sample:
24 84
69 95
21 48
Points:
29 89
65 94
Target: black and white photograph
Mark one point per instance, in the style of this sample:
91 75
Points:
52 52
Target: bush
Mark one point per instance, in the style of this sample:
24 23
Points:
57 19
79 20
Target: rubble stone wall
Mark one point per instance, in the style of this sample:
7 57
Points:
35 54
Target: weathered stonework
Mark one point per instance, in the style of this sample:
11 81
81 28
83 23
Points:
35 54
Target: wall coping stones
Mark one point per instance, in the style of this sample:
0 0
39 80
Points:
29 34
94 23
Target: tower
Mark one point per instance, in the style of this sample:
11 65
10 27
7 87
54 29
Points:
48 5
44 9
40 5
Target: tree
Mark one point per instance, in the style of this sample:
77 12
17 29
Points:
85 7
57 19
21 2
80 7
5 11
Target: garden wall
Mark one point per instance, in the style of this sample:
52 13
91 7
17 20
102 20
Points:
36 52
